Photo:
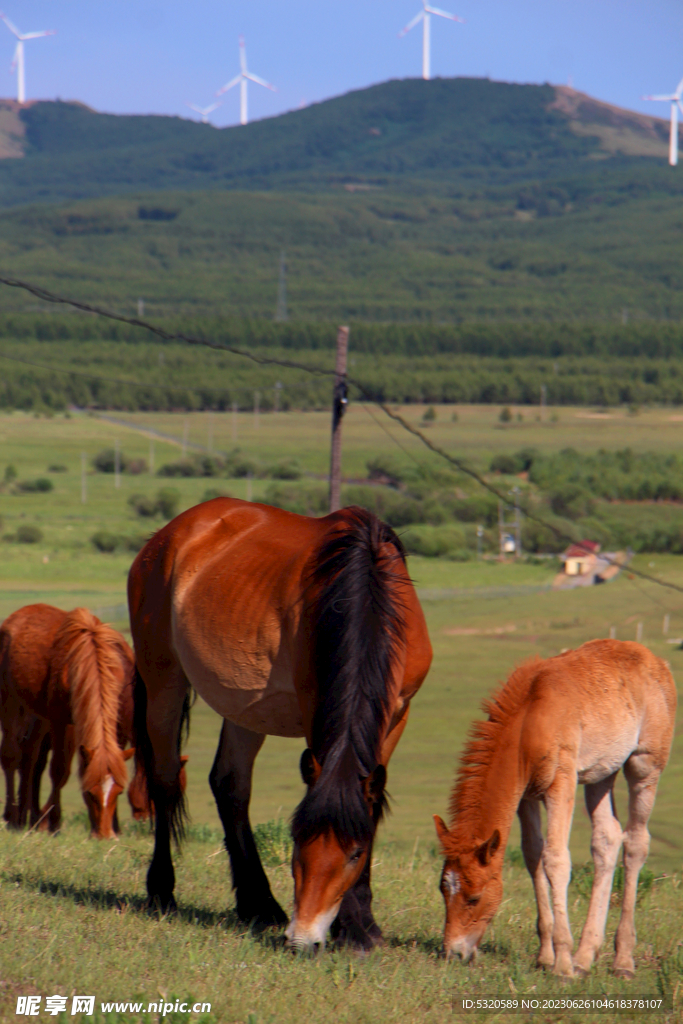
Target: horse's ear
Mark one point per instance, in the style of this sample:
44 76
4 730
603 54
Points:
184 758
486 851
127 754
442 833
309 767
373 785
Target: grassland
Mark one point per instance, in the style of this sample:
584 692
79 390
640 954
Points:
69 907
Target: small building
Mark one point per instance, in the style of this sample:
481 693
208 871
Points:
581 559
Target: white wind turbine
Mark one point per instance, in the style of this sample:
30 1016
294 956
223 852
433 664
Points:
18 60
241 80
424 16
204 111
675 101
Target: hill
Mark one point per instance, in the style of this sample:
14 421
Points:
386 135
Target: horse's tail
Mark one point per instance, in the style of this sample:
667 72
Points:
90 660
171 797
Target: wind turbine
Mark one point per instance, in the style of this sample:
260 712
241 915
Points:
241 80
18 60
424 16
675 101
204 111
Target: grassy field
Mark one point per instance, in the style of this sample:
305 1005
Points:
69 916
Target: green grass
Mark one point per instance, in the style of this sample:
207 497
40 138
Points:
73 921
69 907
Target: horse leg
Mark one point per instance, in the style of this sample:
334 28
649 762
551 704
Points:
230 782
60 769
10 758
642 775
529 812
35 748
605 845
559 802
159 716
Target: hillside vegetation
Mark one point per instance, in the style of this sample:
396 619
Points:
392 132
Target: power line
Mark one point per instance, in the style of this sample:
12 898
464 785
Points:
366 392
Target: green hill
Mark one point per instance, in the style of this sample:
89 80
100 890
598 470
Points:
411 201
436 131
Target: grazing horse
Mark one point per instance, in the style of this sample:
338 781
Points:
287 626
575 718
61 678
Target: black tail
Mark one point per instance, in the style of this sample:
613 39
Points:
170 800
358 629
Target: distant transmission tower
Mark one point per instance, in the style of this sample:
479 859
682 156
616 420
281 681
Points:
281 311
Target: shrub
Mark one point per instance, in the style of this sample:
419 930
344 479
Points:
395 509
238 466
505 415
143 505
274 842
10 473
105 461
56 467
42 484
436 543
285 471
307 501
213 492
572 502
167 502
105 541
135 543
29 535
137 466
429 415
196 465
385 470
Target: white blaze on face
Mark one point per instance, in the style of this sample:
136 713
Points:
451 882
107 787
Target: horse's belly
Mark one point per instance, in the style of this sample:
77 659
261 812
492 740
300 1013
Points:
598 758
250 691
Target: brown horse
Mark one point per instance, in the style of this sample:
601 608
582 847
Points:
286 626
61 678
576 718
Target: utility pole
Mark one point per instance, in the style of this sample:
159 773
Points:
278 390
186 428
257 400
339 403
84 488
151 454
234 422
117 465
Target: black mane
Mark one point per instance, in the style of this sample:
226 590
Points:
357 630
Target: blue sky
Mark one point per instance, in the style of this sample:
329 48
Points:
151 56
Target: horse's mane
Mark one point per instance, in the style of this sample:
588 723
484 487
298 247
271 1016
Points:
482 744
357 631
93 661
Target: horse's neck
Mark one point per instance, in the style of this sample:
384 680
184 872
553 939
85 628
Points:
490 798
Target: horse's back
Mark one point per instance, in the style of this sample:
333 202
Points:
26 640
602 702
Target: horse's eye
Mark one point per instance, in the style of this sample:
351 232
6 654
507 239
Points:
355 856
473 900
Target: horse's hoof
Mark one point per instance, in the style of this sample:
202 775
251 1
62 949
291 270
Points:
624 972
161 907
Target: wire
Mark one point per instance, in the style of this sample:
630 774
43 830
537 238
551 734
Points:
365 391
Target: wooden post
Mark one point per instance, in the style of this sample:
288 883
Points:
84 489
234 422
117 465
339 403
210 445
151 454
257 401
186 428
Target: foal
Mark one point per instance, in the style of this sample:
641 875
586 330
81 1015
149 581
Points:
576 718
